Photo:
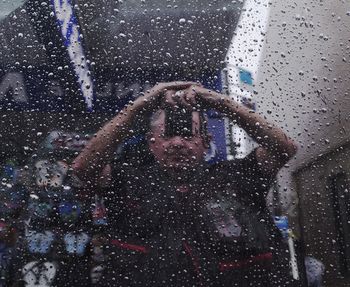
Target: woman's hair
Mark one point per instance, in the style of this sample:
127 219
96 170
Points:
136 152
203 124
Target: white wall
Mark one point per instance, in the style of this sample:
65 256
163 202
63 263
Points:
7 6
303 79
303 71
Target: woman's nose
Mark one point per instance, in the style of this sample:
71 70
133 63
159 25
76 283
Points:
177 142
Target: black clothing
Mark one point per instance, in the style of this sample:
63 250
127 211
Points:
213 229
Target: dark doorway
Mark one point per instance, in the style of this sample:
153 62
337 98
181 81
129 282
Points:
339 188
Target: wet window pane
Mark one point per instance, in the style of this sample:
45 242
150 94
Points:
179 143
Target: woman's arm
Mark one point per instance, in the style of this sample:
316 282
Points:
99 151
275 146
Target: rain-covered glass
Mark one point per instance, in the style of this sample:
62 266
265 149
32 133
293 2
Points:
174 143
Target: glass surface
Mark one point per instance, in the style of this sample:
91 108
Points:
179 143
6 7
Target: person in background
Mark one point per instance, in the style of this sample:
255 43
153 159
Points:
177 221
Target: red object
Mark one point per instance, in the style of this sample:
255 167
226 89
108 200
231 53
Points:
129 246
194 261
3 224
225 266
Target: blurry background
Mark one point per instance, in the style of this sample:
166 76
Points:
8 6
69 67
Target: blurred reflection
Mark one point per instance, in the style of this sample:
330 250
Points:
187 221
67 67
